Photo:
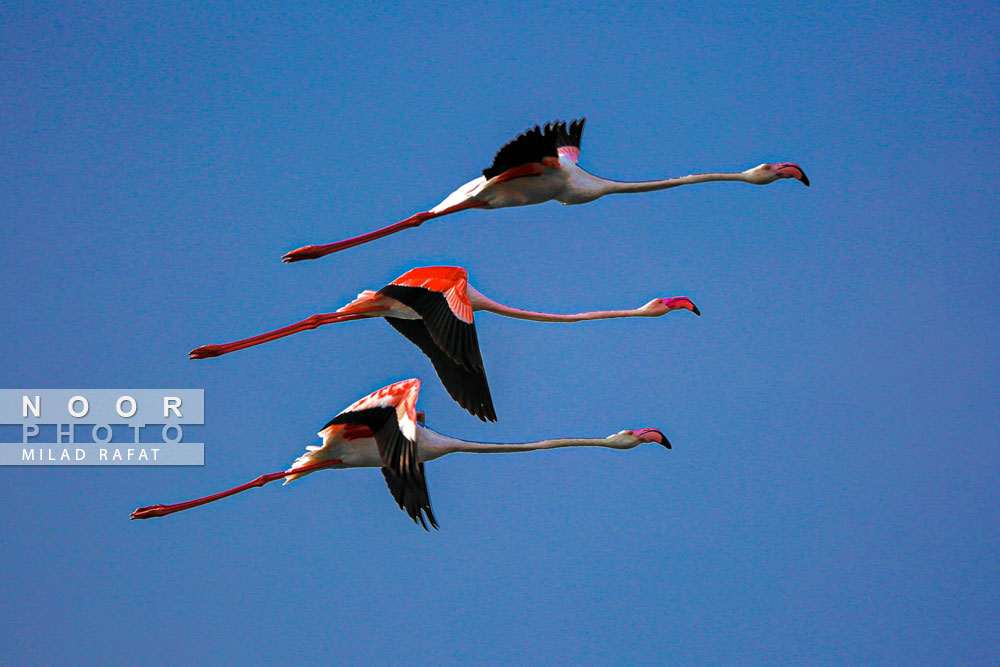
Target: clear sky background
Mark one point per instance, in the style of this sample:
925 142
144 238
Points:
832 494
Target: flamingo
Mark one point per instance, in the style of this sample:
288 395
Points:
433 307
384 430
538 166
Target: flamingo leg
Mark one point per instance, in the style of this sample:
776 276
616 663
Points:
317 251
206 351
153 511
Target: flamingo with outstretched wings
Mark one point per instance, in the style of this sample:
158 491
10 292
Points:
384 430
538 166
433 307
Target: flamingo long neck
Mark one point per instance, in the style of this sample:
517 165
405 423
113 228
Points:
434 444
615 187
480 302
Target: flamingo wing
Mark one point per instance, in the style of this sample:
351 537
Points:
445 332
469 388
401 396
391 415
533 147
568 139
403 473
452 329
451 281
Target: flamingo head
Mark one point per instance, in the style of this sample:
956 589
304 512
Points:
769 173
658 307
650 435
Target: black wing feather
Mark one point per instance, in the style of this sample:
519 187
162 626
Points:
469 388
575 132
569 136
456 338
535 145
403 473
532 146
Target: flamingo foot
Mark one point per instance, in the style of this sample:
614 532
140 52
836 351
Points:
205 352
305 252
150 512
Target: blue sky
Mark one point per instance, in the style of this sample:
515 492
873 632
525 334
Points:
832 492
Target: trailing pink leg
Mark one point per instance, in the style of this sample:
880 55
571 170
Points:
317 251
206 351
162 510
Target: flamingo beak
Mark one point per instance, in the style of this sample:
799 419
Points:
653 435
678 302
791 170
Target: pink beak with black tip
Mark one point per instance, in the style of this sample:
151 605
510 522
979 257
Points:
790 170
652 435
679 302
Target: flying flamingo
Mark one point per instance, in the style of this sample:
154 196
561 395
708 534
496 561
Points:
384 430
536 167
433 307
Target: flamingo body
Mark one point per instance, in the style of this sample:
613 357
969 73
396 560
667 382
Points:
538 166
